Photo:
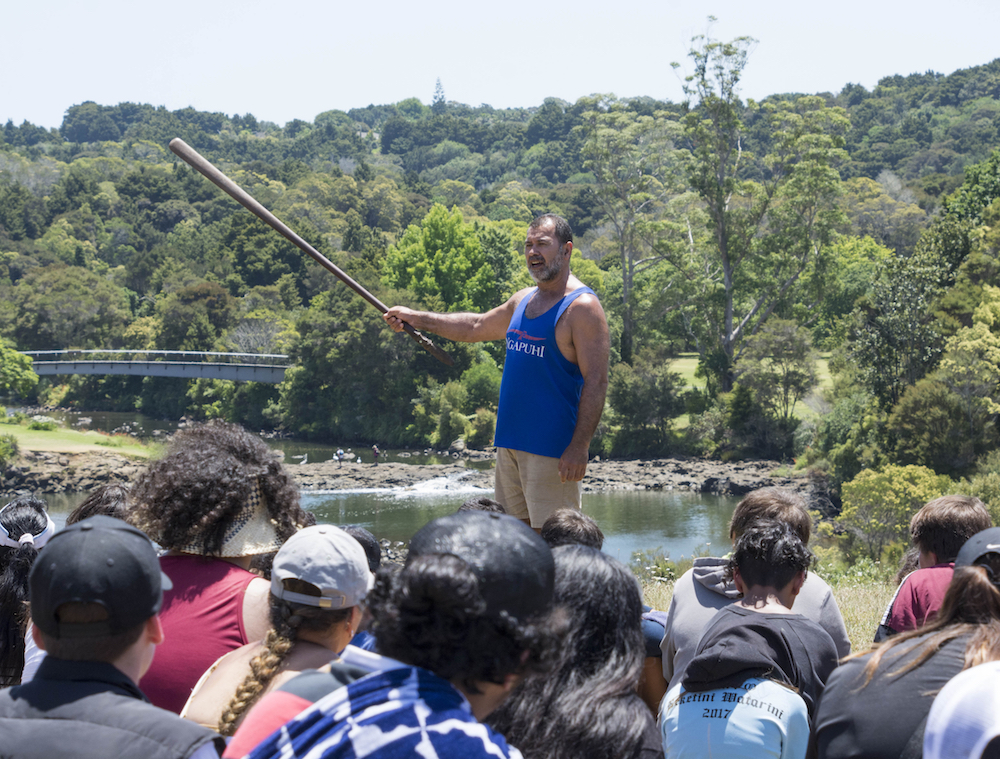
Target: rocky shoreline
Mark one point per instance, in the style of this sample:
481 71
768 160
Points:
42 472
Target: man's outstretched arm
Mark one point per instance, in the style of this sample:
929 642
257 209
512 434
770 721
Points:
593 344
460 327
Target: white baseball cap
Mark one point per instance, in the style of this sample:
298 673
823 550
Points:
965 715
330 559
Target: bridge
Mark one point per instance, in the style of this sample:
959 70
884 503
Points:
242 367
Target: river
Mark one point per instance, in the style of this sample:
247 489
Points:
676 523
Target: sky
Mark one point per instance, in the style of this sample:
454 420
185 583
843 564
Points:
295 59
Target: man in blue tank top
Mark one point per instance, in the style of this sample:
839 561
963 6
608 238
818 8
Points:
555 375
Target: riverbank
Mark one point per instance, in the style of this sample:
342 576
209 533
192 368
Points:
58 472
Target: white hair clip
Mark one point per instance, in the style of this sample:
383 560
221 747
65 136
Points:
37 541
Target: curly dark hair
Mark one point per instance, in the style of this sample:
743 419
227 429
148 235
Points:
770 552
194 493
588 705
431 614
25 514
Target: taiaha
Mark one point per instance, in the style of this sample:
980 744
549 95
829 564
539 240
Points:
194 159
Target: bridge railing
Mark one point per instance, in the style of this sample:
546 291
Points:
217 357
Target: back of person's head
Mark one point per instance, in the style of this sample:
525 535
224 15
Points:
219 491
482 503
772 503
318 577
568 527
25 527
943 525
589 701
99 583
473 601
769 553
971 606
112 500
368 542
604 600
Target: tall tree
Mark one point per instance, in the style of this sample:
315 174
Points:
439 104
637 169
769 216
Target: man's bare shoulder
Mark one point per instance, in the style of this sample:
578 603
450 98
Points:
585 308
517 297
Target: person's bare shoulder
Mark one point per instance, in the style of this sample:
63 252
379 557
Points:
587 310
517 297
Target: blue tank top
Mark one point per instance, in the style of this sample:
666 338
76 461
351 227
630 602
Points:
540 390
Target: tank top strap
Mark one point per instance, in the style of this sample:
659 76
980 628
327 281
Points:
568 299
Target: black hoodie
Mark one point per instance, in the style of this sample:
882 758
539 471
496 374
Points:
739 643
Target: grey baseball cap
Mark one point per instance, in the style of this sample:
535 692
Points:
330 559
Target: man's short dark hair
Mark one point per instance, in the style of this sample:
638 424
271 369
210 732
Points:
111 500
562 230
482 503
106 648
373 551
567 527
772 503
944 524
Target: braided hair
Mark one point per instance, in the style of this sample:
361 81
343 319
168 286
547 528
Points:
287 619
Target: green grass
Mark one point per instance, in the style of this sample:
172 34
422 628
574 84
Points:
64 440
861 604
686 363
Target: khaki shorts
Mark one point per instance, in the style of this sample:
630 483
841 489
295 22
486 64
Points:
528 486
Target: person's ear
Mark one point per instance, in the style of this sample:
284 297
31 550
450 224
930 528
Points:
741 587
797 582
510 681
36 635
568 250
154 630
355 619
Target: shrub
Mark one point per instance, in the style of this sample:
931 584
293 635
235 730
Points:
482 428
9 451
878 504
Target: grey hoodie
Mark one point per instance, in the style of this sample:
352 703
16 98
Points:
703 590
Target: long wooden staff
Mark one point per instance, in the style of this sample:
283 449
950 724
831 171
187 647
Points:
193 158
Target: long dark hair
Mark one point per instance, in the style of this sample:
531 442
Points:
971 606
23 515
587 706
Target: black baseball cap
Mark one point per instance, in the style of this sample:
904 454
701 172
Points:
99 560
979 545
513 565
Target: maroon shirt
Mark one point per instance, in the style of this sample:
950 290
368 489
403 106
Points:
919 598
202 619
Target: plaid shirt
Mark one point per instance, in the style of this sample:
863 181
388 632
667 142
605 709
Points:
397 714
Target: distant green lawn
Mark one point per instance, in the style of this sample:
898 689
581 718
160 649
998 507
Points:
686 363
64 440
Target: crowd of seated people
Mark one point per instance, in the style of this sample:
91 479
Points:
201 613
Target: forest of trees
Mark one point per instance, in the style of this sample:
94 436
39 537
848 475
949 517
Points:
863 224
